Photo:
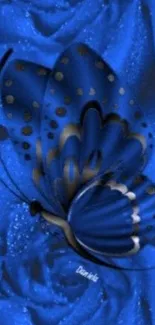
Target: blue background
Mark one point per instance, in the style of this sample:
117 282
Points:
39 284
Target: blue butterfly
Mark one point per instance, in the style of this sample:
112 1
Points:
84 145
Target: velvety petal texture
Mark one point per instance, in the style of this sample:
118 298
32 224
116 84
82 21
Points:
77 137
